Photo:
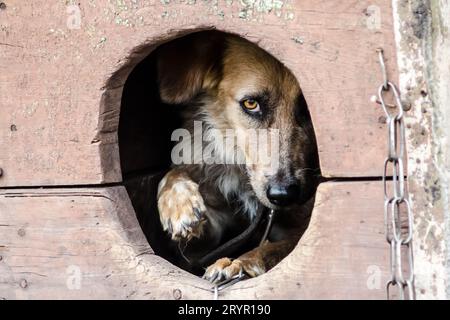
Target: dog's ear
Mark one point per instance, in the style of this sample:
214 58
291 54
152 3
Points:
189 65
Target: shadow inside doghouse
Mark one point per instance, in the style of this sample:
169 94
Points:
145 129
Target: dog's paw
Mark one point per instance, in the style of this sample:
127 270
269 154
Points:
225 268
181 208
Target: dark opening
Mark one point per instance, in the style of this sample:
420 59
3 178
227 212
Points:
145 129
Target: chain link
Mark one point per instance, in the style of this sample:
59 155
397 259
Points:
398 217
242 276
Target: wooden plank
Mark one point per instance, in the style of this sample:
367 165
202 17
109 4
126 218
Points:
60 109
342 255
47 235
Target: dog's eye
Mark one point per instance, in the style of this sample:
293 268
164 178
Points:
250 105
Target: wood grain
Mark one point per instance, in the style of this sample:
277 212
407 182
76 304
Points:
46 233
60 107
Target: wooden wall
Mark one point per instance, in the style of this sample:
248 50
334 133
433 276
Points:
86 243
60 92
60 108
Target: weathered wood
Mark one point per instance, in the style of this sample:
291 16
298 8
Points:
59 107
425 44
46 234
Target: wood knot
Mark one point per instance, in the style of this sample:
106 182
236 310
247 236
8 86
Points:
23 283
21 232
177 294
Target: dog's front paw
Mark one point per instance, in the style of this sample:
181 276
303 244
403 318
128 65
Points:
225 268
181 208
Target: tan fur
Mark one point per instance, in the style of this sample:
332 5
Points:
247 68
181 206
216 70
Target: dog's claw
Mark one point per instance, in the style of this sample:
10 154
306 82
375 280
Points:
212 278
222 269
225 269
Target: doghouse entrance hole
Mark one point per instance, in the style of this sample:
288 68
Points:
145 129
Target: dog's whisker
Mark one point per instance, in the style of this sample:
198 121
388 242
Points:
308 169
182 251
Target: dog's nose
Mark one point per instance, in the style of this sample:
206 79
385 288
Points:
283 195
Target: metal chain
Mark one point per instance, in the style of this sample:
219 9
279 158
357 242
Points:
227 283
398 217
242 276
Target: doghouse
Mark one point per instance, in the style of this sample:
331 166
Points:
78 156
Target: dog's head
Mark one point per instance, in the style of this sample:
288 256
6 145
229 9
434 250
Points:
239 86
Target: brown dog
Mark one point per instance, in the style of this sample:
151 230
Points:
227 82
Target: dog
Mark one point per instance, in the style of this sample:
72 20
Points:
226 82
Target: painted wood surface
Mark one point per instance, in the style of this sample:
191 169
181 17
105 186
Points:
60 86
80 243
